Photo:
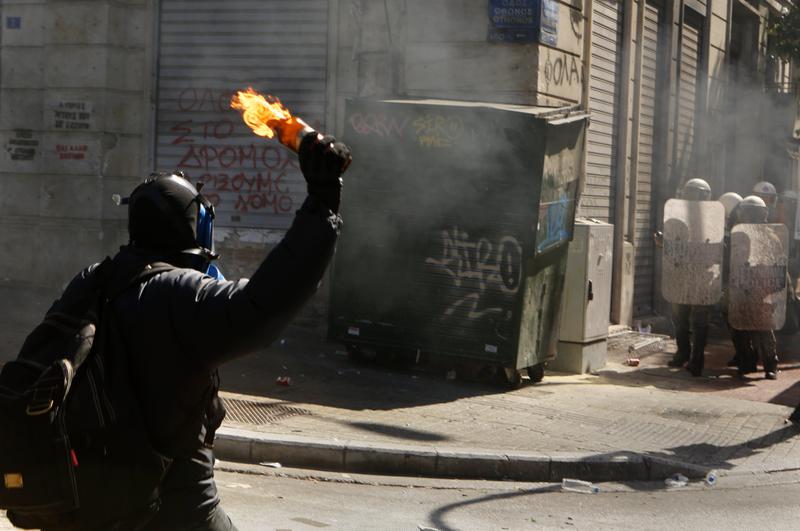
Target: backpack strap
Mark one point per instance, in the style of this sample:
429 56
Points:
55 380
148 272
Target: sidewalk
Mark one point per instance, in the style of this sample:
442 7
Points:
623 423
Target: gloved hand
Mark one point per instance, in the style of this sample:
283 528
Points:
323 160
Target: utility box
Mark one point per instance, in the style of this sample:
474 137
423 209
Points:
457 217
583 331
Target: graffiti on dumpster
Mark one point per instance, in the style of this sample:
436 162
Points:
428 130
478 266
377 124
435 130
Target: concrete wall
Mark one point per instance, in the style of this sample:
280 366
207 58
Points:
76 110
418 48
74 121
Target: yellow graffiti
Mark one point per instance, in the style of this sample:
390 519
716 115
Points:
438 131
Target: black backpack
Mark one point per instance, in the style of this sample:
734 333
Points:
74 450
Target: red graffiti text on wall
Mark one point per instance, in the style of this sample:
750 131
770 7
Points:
252 177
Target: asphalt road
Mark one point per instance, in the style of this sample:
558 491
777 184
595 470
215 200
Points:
260 498
337 501
321 502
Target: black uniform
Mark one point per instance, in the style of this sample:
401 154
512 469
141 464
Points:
691 335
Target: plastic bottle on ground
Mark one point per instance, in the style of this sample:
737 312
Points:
711 478
676 480
577 485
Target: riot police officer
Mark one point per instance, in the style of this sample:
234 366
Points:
691 321
752 344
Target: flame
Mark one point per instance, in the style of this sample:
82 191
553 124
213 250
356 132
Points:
266 116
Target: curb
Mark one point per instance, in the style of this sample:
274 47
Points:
252 447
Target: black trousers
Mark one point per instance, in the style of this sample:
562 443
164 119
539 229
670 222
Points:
189 500
762 345
691 332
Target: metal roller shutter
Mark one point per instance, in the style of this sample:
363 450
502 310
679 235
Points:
644 279
597 200
209 49
687 97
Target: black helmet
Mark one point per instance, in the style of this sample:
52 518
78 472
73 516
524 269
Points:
167 214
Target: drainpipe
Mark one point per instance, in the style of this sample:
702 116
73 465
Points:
637 109
623 171
588 20
728 82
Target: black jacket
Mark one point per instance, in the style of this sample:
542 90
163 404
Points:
179 326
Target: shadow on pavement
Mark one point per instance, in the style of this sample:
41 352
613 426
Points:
321 373
407 434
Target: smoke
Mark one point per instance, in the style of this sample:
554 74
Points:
750 140
440 204
742 132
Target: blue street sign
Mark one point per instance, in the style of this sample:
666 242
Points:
13 22
513 13
523 21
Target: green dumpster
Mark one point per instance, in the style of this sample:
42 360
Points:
457 219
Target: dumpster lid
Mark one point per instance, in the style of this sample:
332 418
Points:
564 114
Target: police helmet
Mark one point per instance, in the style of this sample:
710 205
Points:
729 200
696 189
766 191
752 209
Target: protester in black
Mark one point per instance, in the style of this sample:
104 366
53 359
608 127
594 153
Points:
179 326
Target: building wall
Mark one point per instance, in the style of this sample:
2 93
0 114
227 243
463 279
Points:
76 110
417 48
74 89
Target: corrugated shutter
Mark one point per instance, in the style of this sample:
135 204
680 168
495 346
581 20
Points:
209 49
597 200
644 280
687 97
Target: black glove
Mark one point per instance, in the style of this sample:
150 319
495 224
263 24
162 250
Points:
323 160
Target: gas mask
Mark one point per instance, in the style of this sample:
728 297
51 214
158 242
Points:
168 215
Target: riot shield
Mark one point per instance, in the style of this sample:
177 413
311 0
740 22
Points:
694 232
757 283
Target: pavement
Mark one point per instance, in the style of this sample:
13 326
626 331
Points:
621 423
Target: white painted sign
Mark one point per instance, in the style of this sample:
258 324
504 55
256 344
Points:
72 115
